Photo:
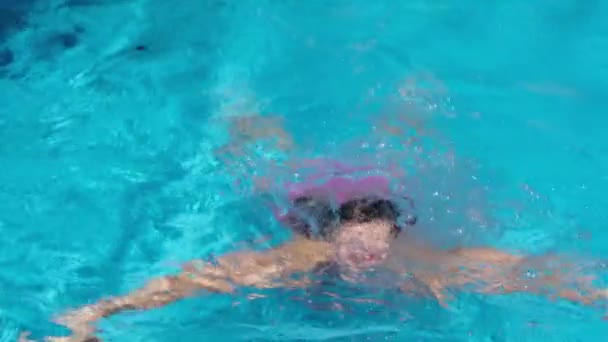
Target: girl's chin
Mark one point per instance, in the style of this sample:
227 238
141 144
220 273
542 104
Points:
358 261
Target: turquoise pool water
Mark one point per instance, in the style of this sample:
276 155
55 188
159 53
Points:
113 126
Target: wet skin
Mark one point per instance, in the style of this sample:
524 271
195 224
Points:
355 247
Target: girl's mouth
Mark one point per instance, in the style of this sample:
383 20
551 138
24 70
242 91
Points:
365 259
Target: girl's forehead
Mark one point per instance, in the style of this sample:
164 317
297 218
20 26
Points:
367 226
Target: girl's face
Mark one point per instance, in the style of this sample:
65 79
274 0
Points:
363 245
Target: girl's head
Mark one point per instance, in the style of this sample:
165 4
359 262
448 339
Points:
362 228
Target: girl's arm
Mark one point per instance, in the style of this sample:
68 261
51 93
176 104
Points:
255 269
493 271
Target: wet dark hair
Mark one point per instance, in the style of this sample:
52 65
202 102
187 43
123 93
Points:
316 218
312 214
368 209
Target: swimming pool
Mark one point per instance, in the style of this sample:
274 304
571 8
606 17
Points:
113 112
